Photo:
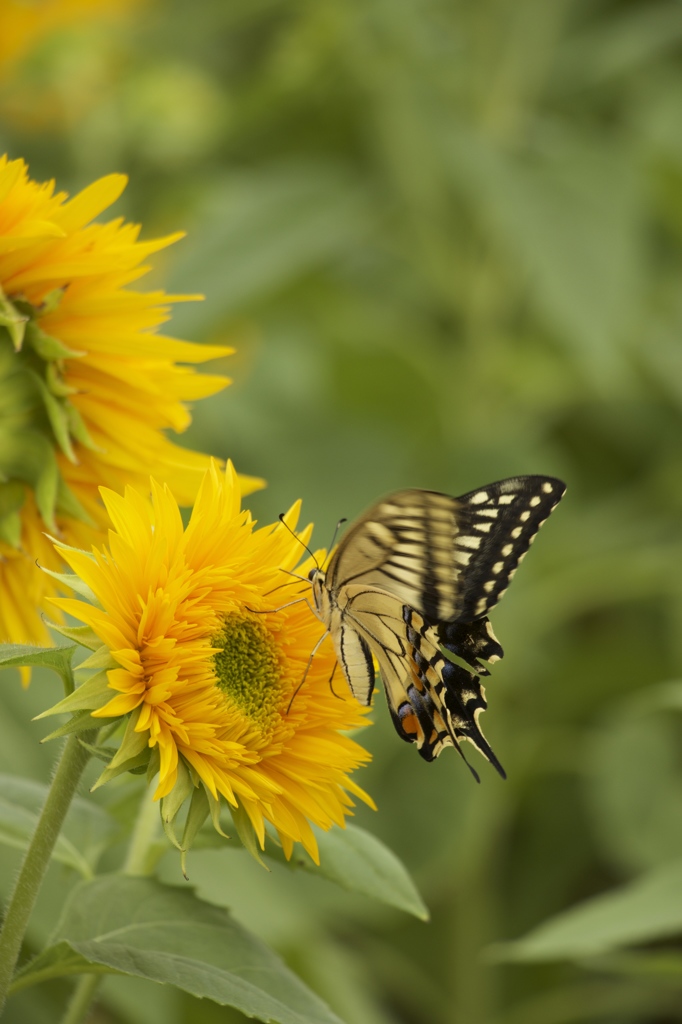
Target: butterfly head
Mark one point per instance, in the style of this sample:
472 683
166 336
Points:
317 578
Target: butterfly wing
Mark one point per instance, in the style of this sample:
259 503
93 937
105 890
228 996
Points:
433 702
413 578
449 558
497 525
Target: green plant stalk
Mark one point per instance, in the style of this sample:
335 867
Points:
140 860
37 858
81 1000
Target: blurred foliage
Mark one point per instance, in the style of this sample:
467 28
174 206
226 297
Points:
446 239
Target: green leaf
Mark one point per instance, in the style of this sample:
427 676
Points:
358 861
87 831
137 926
57 658
646 910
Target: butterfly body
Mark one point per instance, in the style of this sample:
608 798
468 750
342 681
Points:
410 585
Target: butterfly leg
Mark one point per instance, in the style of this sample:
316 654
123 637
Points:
307 668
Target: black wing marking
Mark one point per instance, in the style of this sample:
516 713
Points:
498 523
471 641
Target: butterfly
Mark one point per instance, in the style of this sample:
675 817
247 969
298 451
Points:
411 583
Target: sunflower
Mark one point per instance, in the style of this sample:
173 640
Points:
87 387
212 665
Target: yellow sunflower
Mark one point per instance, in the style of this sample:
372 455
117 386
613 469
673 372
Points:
200 647
87 386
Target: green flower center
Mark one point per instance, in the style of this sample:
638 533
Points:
247 668
36 417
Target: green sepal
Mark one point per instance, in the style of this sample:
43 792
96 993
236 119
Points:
101 658
13 321
47 347
154 764
10 529
51 301
56 414
12 497
215 808
47 487
25 655
69 505
83 635
78 430
133 742
132 754
246 833
74 582
102 753
135 765
82 721
183 788
196 816
57 386
93 694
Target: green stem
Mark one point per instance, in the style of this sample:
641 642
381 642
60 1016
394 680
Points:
37 858
139 861
141 858
83 994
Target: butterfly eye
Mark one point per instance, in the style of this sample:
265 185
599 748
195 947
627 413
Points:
312 574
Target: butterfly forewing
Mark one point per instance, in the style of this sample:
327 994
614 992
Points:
404 544
497 524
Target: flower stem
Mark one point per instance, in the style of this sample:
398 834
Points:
83 994
141 857
37 858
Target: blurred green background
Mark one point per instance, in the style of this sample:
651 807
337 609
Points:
446 240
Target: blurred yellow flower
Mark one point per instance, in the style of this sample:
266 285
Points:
24 22
86 386
220 690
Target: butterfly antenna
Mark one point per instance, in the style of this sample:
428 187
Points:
294 534
336 530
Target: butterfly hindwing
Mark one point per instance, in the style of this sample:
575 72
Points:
433 702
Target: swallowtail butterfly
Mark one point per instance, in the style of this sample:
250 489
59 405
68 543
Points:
411 583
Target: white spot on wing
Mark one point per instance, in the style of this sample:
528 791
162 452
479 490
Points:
489 586
516 532
498 567
506 499
547 488
507 550
469 542
463 557
524 517
478 498
534 502
483 527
